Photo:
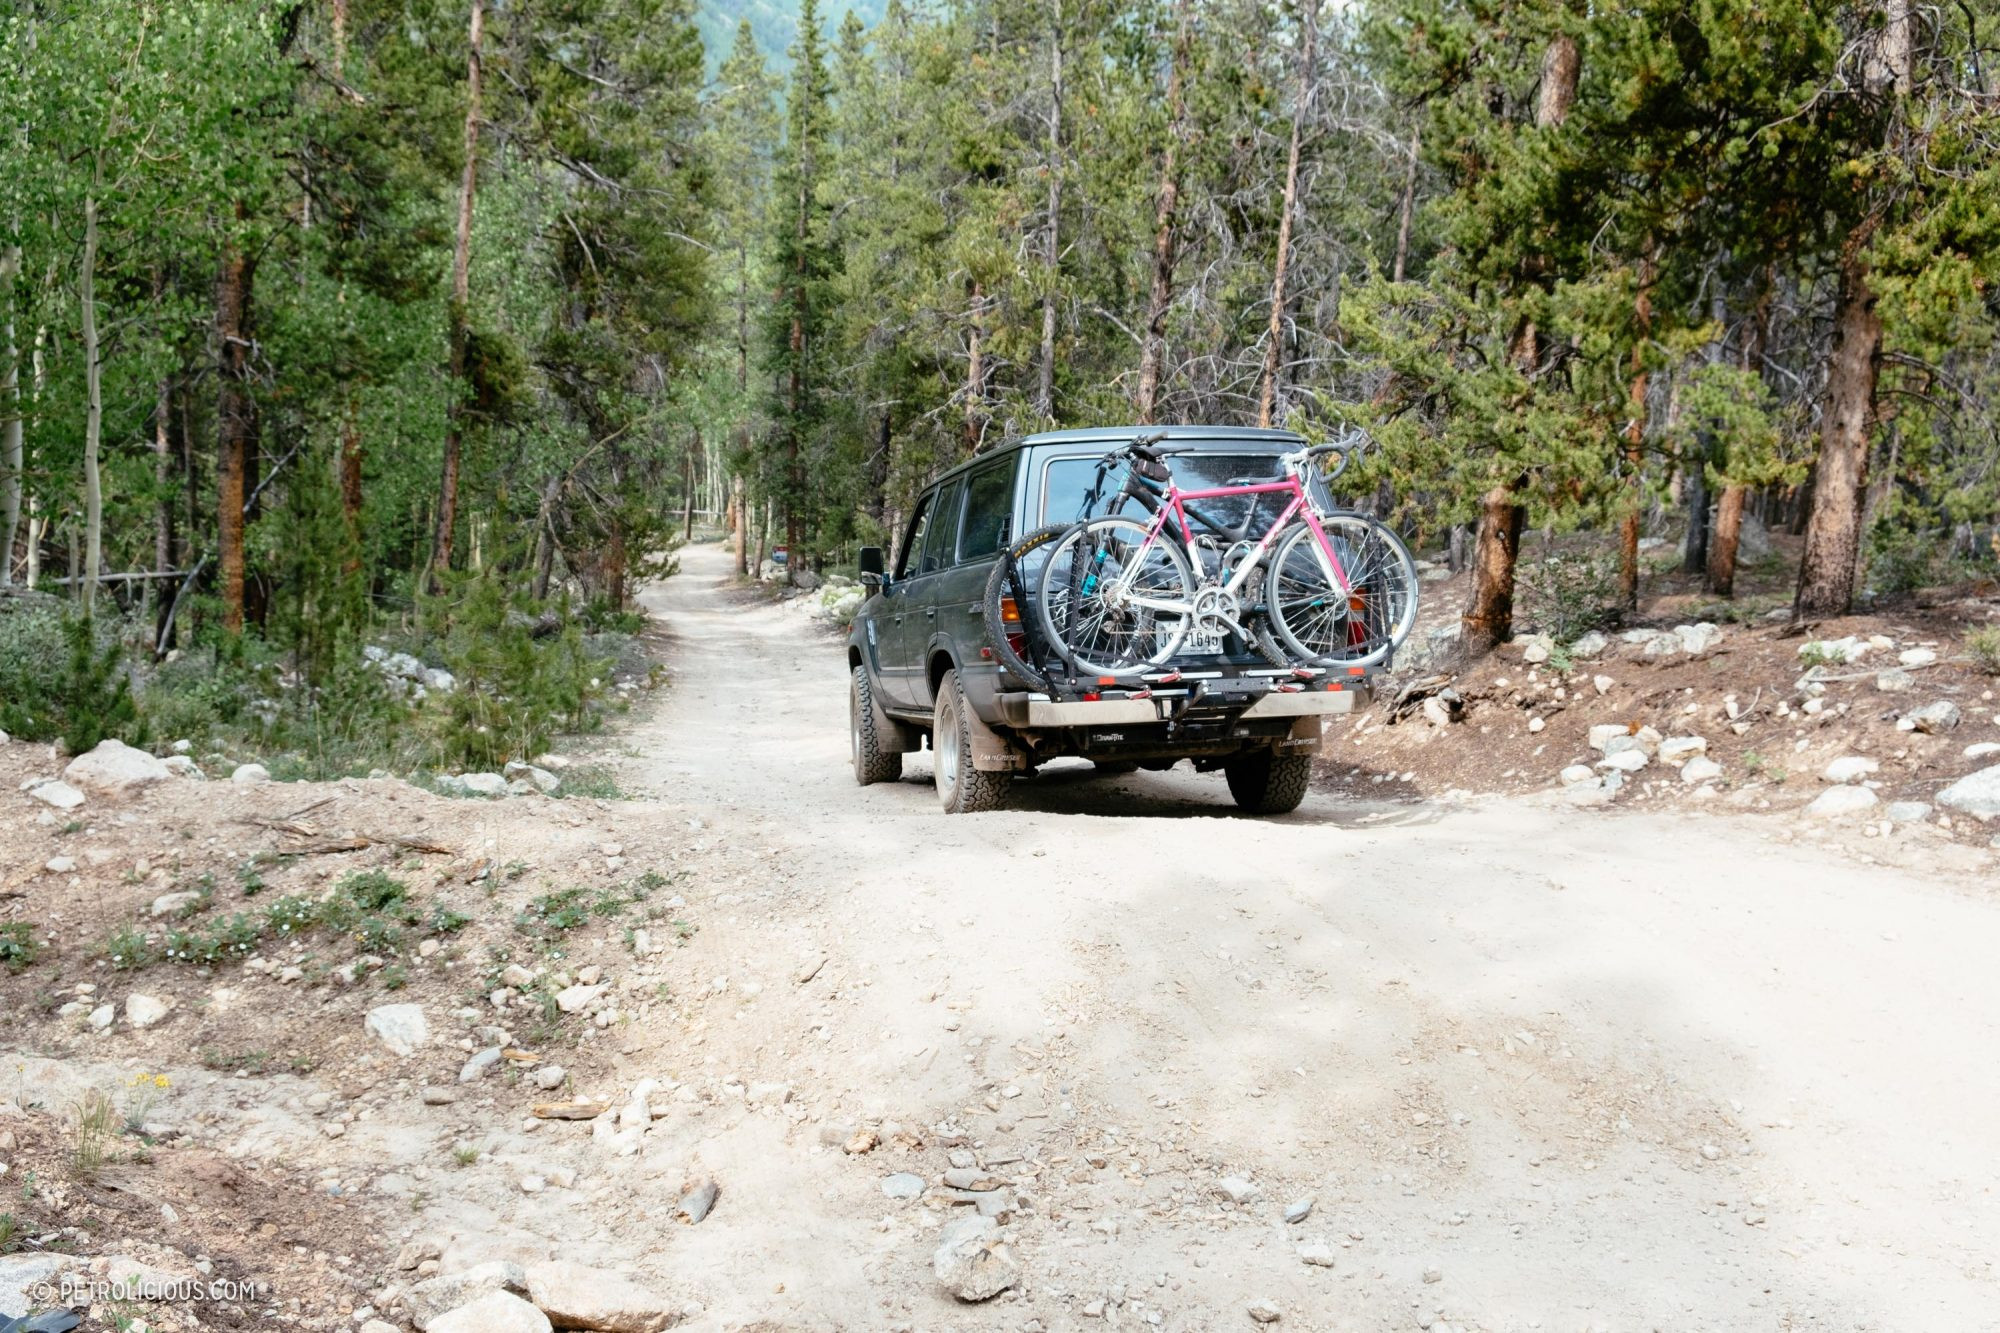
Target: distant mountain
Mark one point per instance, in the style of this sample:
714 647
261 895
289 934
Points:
775 23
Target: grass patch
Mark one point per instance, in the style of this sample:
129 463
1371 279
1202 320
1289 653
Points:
1983 645
18 946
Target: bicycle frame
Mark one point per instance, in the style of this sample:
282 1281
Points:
1174 502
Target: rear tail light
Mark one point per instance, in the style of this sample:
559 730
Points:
1010 612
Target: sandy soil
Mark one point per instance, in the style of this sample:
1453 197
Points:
1534 1067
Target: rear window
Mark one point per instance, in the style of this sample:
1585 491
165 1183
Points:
1066 481
989 503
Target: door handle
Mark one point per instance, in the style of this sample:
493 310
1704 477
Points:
930 613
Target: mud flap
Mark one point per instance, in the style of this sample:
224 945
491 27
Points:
990 752
1304 738
895 737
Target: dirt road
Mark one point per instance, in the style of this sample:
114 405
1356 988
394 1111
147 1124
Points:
1534 1068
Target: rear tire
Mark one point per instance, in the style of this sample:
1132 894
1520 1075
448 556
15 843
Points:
872 764
1017 575
961 788
1268 784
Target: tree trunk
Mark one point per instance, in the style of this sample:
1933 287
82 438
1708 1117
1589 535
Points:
1045 366
1152 343
1562 62
1840 477
687 507
1722 545
93 418
877 472
975 372
1489 619
12 432
1700 538
461 297
236 425
350 480
742 511
1407 209
1267 398
1635 438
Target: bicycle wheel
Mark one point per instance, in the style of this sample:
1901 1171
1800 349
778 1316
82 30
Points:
1112 598
1012 628
1314 621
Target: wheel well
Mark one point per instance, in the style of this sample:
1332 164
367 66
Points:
853 657
940 663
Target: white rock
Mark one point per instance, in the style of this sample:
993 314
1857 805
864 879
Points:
1895 681
102 1017
1589 645
574 1296
1535 725
1661 645
250 774
1535 647
1975 794
495 1312
541 778
1836 651
1909 812
482 784
1602 733
58 794
1578 773
1917 657
550 1077
479 1064
1933 718
574 999
142 1011
1849 768
1680 749
183 767
1980 749
114 768
439 680
1840 802
1316 1255
1700 769
1699 638
169 903
1602 684
972 1260
1625 761
60 865
400 1027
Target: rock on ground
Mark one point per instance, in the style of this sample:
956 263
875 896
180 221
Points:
1975 794
1849 768
142 1011
250 774
437 1296
495 1312
574 1296
1934 718
400 1027
58 794
1839 802
972 1260
114 768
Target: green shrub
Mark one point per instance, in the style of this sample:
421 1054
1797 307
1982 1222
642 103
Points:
1565 597
374 890
127 949
87 698
18 946
291 916
1984 646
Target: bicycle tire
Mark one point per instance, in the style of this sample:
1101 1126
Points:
1372 620
1011 578
1084 576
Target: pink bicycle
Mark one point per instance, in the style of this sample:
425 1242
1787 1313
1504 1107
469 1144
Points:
1319 586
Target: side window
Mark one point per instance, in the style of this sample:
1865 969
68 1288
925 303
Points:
989 503
943 535
913 539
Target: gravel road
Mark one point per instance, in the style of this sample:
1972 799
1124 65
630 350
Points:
1534 1067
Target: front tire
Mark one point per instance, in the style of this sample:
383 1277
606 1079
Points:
1268 784
872 763
961 788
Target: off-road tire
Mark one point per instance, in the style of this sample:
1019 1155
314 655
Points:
1268 784
961 788
1002 583
871 763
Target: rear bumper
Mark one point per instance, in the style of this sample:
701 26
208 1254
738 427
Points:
1038 711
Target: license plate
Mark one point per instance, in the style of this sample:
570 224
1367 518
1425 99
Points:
1202 643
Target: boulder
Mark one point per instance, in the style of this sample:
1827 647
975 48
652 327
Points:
1917 657
1849 768
1700 769
436 1296
169 903
1535 648
1975 794
142 1011
183 767
1588 646
1625 761
495 1312
400 1027
1840 802
1576 774
58 794
574 999
114 768
1934 718
250 775
1680 749
1601 734
439 680
542 780
972 1260
1895 681
483 784
573 1296
1661 645
1838 652
1697 639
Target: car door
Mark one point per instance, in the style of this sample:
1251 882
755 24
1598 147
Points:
896 657
940 550
982 531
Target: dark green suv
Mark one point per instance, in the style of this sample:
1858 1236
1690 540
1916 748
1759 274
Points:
923 668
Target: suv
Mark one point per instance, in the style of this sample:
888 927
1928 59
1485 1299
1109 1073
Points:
923 668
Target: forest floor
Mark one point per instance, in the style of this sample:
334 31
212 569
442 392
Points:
1533 1062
